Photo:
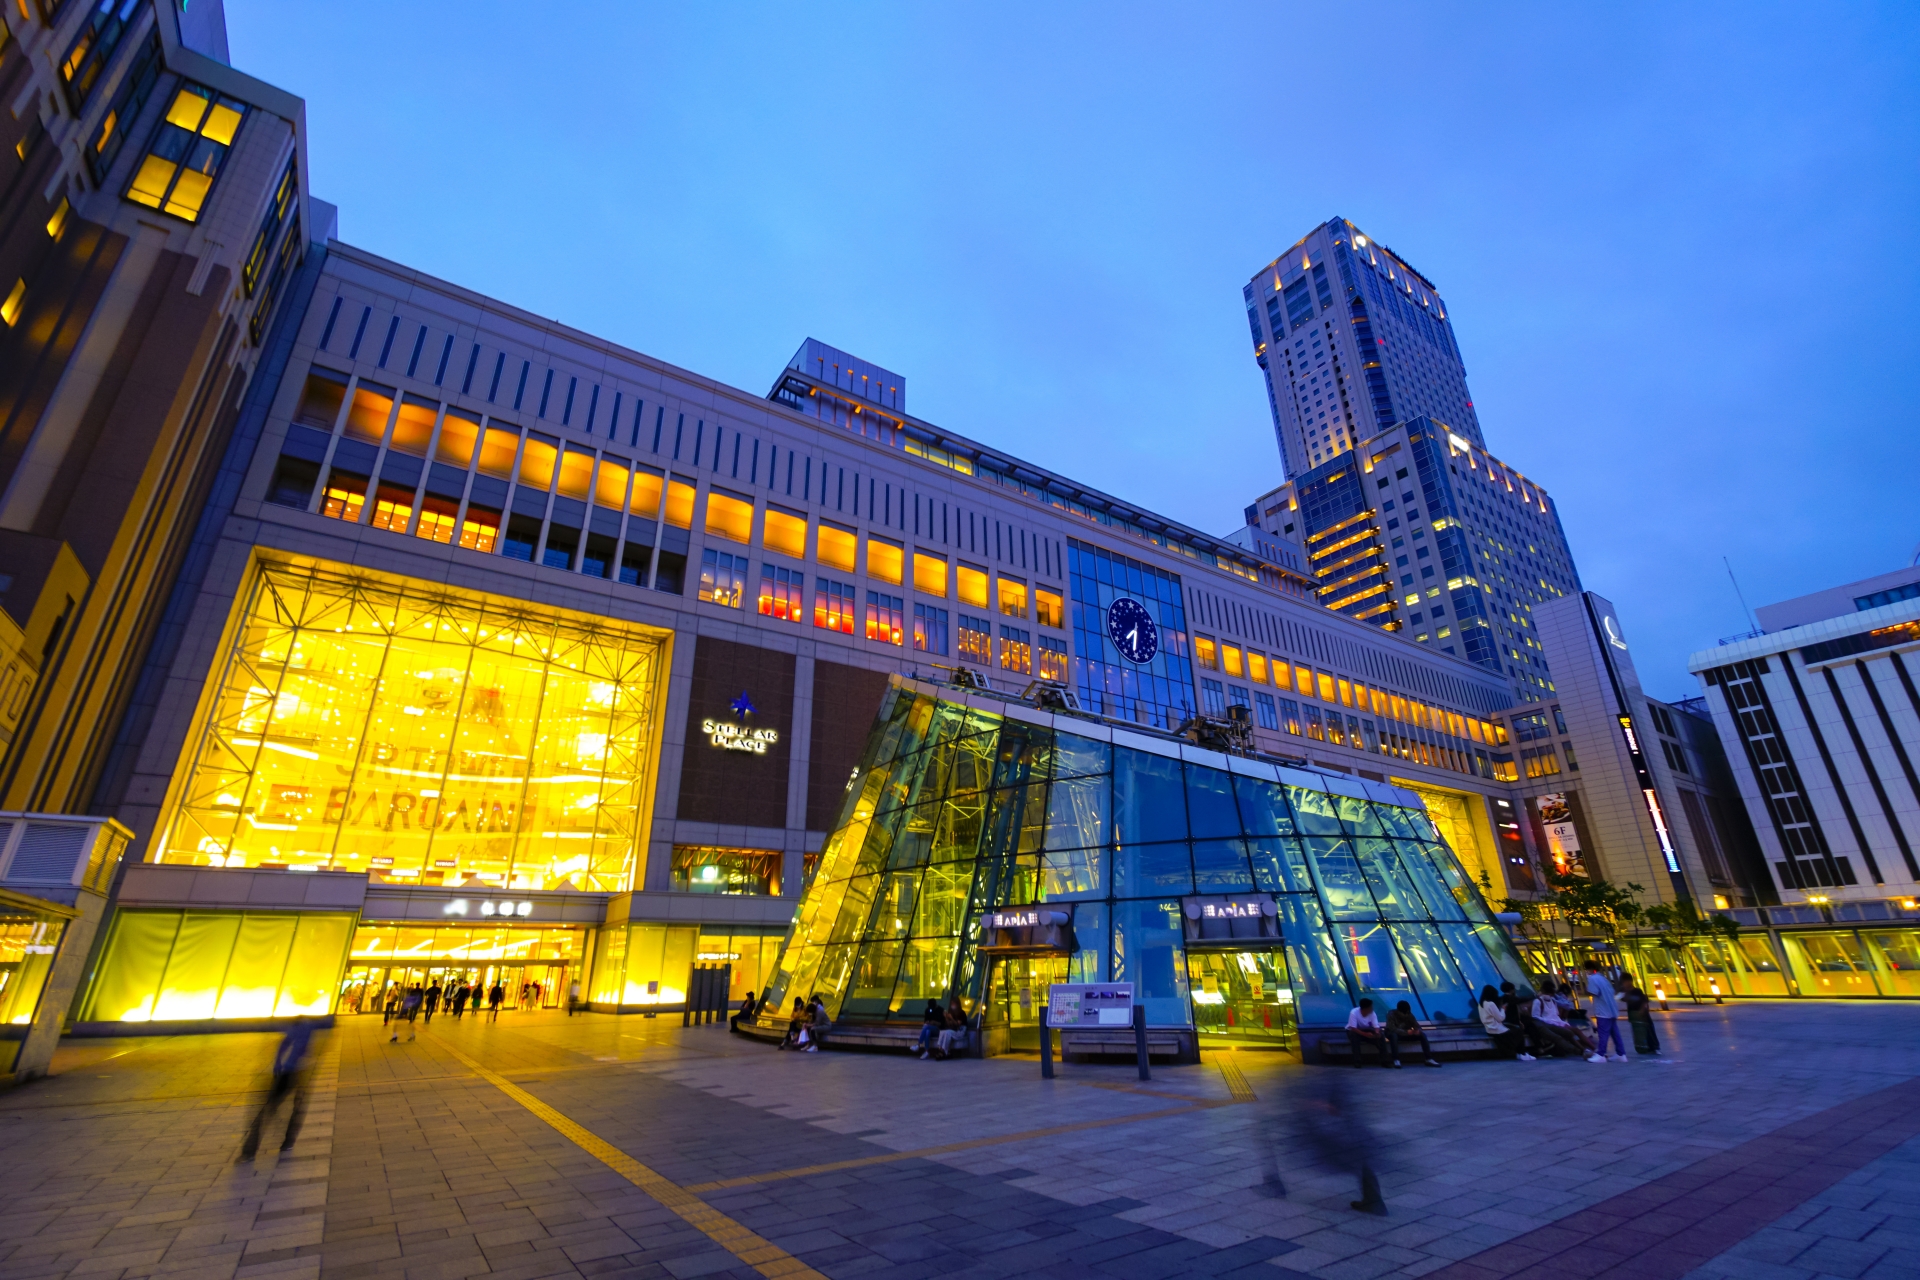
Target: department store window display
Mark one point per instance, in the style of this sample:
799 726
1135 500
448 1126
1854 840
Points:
361 722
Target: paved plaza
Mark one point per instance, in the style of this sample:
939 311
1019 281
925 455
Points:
1770 1141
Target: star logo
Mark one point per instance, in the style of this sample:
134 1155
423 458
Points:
742 705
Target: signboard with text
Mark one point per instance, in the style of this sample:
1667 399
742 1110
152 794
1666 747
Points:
1090 1004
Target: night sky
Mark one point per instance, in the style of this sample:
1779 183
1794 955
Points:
1680 243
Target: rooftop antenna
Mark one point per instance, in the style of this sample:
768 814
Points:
1741 594
1916 555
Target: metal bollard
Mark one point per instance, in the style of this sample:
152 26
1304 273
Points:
1046 1046
1140 1039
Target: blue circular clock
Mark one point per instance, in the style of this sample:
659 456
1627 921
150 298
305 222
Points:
1131 628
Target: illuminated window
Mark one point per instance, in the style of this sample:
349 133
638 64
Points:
835 546
679 503
1016 650
976 640
459 433
729 517
413 426
1206 653
1013 597
1231 660
1052 657
497 451
610 483
972 586
537 457
646 492
481 529
1256 667
1303 681
100 34
930 574
353 743
186 153
1326 687
392 508
785 532
576 473
277 210
885 560
723 578
700 869
345 498
929 629
833 605
886 618
783 593
1049 610
367 416
437 519
15 302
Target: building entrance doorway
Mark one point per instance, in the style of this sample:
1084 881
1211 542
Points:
1243 997
1016 995
369 988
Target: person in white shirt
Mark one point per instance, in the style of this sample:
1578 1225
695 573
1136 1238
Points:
1606 1014
1364 1032
1506 1040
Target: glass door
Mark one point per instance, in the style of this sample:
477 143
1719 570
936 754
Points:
1016 995
1242 996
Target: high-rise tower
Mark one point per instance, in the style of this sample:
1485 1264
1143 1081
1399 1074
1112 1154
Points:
1352 340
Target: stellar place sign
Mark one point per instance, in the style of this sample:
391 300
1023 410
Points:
728 736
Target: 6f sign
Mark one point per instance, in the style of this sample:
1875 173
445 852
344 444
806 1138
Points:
1131 629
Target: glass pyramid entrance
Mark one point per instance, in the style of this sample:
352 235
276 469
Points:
1229 890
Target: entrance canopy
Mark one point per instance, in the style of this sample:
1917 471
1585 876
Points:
964 805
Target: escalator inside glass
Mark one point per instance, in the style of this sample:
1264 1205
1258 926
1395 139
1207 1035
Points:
1242 997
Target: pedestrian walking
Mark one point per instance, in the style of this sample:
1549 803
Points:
409 1010
495 998
573 997
391 1003
1606 1014
289 1079
1321 1117
432 1000
460 994
1639 1017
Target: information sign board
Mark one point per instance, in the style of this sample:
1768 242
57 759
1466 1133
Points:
1090 1004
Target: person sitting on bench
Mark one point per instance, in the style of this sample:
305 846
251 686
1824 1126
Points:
1403 1026
1364 1031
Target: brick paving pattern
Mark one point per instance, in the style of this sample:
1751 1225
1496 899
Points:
1774 1140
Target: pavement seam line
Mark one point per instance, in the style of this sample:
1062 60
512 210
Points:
971 1144
762 1255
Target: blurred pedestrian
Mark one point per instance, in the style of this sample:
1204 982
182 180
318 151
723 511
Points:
573 996
496 997
391 1003
460 996
1334 1132
1639 1017
289 1078
1606 1014
433 999
409 1010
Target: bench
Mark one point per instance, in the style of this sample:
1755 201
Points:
899 1037
1162 1042
1447 1039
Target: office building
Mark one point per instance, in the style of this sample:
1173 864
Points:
154 218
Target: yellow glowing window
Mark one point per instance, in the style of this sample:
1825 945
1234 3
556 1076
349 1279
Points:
929 574
1326 688
436 519
497 452
413 426
835 547
562 707
1013 597
1346 694
1282 674
187 152
785 532
729 517
1206 653
610 483
646 493
1473 731
972 585
367 418
458 434
343 501
1303 681
480 529
392 508
1398 708
1049 610
576 472
536 461
1230 659
1256 667
58 222
679 503
884 560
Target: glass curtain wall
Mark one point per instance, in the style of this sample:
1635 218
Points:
421 735
956 810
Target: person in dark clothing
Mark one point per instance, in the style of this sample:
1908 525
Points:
432 1001
796 1023
460 996
495 998
1404 1028
932 1019
1639 1017
409 1010
289 1079
747 1009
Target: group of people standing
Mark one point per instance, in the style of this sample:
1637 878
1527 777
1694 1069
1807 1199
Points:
1526 1024
404 1005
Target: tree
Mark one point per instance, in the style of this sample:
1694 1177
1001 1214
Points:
1681 925
1588 906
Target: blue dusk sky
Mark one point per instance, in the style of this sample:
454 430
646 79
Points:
1680 243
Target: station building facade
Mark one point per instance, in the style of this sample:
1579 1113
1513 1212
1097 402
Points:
537 660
